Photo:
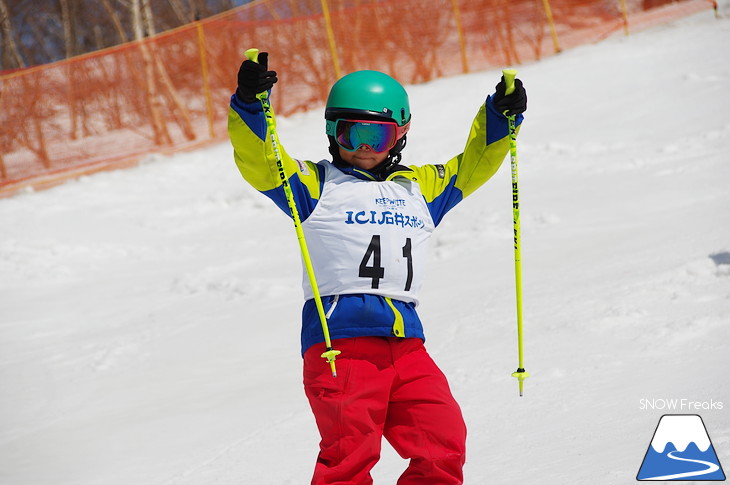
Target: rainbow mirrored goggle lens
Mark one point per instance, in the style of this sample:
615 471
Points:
379 136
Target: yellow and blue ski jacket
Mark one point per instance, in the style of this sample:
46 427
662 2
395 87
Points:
442 186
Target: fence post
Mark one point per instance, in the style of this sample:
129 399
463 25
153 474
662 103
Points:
3 170
553 32
460 31
625 16
206 78
331 38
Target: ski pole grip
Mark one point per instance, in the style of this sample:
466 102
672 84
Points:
252 55
509 80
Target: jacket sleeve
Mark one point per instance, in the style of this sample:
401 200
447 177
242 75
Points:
444 186
254 155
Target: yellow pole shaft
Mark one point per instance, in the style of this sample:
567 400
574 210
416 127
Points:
520 374
330 354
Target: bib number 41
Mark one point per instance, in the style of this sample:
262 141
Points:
371 267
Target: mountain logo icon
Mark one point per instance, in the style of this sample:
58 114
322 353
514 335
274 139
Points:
680 450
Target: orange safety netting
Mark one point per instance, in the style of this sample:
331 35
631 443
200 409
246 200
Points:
171 91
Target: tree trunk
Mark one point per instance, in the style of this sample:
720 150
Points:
115 20
183 15
148 18
167 88
159 127
69 42
11 57
68 19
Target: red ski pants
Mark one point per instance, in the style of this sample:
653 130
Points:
384 387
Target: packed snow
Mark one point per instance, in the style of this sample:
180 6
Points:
149 318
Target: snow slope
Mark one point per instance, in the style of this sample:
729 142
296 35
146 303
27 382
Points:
149 317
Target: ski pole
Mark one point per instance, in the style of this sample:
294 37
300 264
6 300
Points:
330 353
520 373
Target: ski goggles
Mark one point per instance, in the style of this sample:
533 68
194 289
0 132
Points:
379 136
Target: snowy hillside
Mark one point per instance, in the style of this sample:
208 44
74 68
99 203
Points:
149 318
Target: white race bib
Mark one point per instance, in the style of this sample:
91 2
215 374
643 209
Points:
368 237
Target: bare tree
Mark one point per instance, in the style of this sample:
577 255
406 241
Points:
11 57
36 32
148 18
114 16
159 127
183 13
68 20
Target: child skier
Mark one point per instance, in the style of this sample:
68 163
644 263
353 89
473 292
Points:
367 221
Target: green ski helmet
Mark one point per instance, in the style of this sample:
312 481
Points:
368 95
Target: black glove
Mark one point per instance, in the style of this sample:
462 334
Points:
513 104
254 78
